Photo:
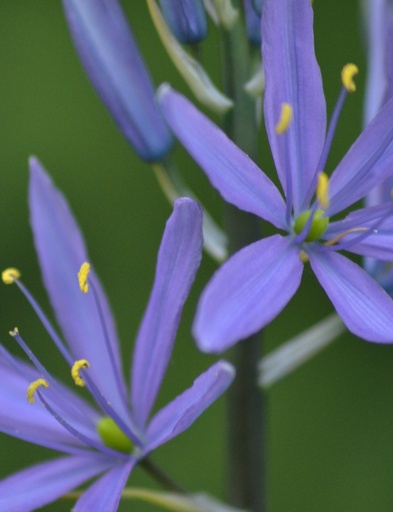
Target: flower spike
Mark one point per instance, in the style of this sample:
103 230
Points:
33 388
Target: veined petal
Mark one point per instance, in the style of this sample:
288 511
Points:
179 414
32 422
232 172
365 308
61 252
178 261
115 66
247 292
293 76
104 494
368 162
39 485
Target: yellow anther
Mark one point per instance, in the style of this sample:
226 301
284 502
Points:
83 274
347 74
323 190
303 256
33 388
9 275
14 332
285 118
82 364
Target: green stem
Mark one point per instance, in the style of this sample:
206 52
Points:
246 458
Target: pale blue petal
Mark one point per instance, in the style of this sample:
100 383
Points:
293 76
32 422
61 251
115 67
104 494
232 172
39 485
179 414
365 308
178 260
247 292
368 162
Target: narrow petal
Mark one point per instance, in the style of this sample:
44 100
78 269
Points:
231 171
178 261
39 485
179 414
61 252
115 67
32 422
365 308
247 292
104 495
293 76
368 162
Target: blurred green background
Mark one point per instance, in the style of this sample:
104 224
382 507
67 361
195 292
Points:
330 424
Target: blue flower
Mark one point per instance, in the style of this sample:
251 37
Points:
251 288
111 437
114 64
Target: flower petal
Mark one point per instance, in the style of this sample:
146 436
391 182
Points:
104 495
39 485
178 261
368 162
115 66
247 292
61 252
232 172
179 414
365 308
293 76
32 422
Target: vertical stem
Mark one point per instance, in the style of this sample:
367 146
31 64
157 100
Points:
245 405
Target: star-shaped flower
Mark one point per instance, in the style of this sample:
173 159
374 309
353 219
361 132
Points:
251 288
113 436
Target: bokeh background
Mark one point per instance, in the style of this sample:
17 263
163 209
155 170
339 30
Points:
330 425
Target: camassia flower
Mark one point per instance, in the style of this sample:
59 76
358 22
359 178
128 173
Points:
111 437
253 286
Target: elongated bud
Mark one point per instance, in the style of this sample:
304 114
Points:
253 23
186 19
113 62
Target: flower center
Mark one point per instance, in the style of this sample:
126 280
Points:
112 436
317 228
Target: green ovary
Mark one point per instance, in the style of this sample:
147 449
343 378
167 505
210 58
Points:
112 436
318 225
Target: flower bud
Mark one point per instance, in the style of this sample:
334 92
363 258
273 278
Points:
186 19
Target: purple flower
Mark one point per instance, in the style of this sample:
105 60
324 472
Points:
186 19
113 62
113 436
251 288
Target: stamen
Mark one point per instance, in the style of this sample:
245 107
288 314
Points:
285 118
33 388
82 276
75 371
347 74
9 275
337 238
323 190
